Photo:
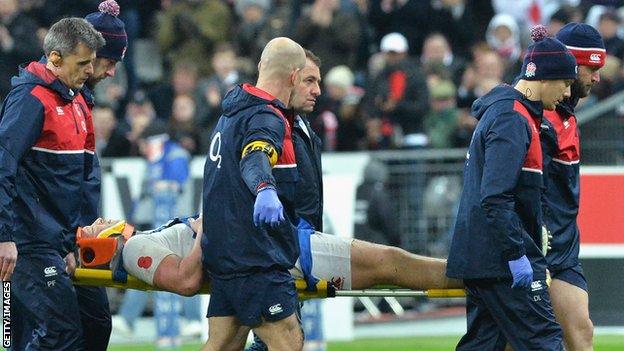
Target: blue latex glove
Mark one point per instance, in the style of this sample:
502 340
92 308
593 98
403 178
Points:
268 208
522 272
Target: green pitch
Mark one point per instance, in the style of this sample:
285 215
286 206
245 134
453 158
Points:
444 343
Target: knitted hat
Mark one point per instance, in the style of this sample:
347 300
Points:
585 43
112 28
547 58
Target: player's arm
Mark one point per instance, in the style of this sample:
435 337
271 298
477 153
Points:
506 146
260 151
21 122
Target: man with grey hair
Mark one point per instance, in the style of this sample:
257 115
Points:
43 142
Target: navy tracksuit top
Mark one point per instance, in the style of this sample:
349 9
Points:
500 214
560 201
47 150
232 245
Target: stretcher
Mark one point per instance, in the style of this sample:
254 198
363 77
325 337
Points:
100 259
324 289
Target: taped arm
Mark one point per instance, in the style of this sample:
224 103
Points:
506 145
261 150
21 122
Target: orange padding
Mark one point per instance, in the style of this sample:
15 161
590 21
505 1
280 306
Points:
98 252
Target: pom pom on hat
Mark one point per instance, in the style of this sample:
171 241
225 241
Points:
110 7
112 29
538 33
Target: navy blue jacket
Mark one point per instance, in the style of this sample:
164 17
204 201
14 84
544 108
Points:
44 140
560 201
232 246
309 190
500 214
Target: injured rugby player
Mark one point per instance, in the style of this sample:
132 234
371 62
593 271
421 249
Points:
169 258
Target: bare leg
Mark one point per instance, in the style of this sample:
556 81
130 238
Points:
224 334
571 306
374 264
283 335
181 275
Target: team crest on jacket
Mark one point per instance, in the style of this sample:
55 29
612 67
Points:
530 70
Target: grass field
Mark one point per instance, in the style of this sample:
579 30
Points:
602 343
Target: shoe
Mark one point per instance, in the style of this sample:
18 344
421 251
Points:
121 326
191 329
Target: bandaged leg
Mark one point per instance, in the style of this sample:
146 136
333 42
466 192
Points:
144 252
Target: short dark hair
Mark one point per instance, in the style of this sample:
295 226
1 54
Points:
65 35
310 56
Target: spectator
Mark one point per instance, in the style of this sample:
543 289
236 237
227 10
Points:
375 215
332 34
503 35
139 114
441 122
109 139
451 18
398 97
338 122
226 76
408 17
438 57
184 80
608 28
183 124
254 29
190 29
18 42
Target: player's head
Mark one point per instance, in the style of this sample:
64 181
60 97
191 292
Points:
113 30
549 67
70 46
281 60
588 48
91 231
303 98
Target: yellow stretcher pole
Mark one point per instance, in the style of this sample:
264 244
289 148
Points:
104 277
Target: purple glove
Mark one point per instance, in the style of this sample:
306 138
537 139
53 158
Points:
268 208
522 272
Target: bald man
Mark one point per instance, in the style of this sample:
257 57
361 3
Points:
249 180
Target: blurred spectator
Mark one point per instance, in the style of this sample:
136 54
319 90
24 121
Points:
503 35
375 217
528 13
184 80
139 114
226 76
332 34
398 98
109 138
190 30
441 122
338 121
254 29
485 72
183 125
18 42
438 58
559 19
608 28
451 18
408 17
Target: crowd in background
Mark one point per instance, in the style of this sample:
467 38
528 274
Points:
396 73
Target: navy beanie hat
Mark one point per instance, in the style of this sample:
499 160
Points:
585 43
112 29
547 58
